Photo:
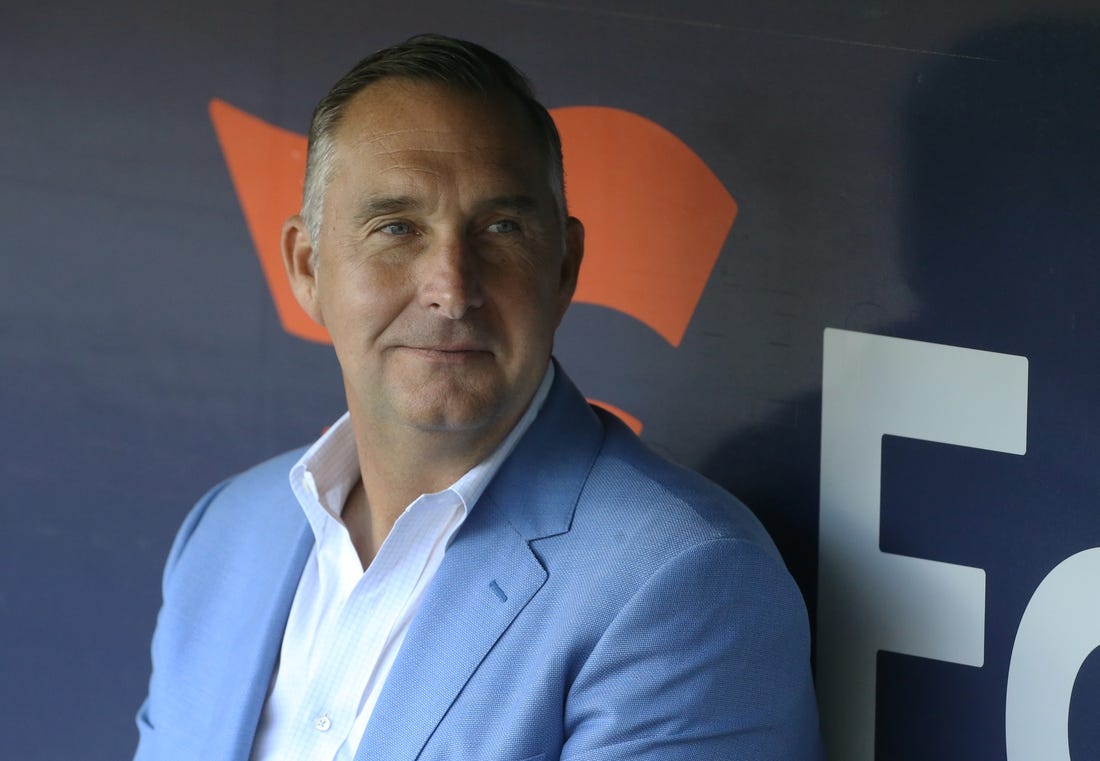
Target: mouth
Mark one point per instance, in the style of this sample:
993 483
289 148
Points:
449 353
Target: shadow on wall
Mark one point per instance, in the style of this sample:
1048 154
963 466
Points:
1000 235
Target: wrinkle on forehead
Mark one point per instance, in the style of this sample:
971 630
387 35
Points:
406 146
397 141
393 133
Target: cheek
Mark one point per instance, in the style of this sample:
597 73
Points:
360 302
531 314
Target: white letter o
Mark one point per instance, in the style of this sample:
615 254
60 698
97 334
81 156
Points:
1059 629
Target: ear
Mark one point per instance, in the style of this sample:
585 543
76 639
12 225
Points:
570 263
301 266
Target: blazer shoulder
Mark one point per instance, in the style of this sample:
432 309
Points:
256 502
645 488
252 492
270 476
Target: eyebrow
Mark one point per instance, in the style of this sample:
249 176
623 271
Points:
378 206
517 203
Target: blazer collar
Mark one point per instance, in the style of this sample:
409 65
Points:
537 488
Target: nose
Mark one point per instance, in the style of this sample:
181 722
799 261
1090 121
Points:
450 284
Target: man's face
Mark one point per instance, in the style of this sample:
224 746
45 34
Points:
442 265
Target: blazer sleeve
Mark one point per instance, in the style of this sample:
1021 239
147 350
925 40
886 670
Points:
708 660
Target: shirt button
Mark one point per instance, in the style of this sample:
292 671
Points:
322 723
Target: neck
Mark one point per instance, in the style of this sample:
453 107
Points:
397 467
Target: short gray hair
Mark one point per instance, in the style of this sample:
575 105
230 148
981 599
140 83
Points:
463 66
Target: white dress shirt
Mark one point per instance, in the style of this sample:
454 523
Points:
346 625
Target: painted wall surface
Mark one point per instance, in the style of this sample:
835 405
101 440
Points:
843 260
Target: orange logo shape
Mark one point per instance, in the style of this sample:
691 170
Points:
267 165
655 215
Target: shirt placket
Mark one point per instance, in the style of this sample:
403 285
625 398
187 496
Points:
361 631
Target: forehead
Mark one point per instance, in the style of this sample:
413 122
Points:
398 118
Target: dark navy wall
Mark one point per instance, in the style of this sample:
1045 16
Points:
914 171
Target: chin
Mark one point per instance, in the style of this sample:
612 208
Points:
452 413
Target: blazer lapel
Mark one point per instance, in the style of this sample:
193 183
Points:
261 583
468 606
487 577
267 616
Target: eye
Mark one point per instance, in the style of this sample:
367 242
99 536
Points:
504 226
396 228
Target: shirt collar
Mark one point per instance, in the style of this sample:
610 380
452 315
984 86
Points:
326 473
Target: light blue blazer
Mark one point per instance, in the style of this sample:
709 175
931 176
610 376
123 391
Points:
599 603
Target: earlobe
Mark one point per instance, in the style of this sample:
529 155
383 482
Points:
299 258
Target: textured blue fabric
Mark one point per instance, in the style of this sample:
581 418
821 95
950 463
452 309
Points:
598 603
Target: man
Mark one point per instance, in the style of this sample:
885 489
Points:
472 563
